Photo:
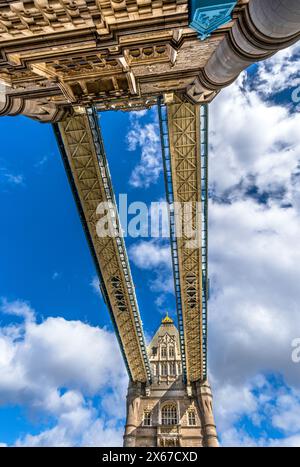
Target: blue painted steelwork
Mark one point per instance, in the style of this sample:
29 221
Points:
165 145
205 16
204 227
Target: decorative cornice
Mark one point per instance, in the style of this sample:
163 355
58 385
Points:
35 109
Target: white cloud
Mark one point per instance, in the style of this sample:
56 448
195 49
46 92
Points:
287 417
238 438
145 137
279 73
18 308
150 254
252 142
15 179
41 162
254 307
56 275
100 434
55 368
155 256
7 177
253 255
260 404
230 402
95 285
162 283
77 425
288 442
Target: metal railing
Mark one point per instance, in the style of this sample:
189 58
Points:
204 227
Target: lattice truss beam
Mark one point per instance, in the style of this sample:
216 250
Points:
82 149
186 184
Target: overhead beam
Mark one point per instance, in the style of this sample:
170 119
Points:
186 188
80 141
262 28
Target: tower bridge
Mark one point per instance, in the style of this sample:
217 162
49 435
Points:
61 62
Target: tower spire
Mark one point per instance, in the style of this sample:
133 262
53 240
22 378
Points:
167 319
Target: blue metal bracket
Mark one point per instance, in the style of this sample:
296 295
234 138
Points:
205 16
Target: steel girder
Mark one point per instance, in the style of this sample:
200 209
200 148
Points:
81 145
184 144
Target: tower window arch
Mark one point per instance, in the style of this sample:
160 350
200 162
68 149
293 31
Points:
164 369
192 417
147 419
172 368
171 351
163 351
169 414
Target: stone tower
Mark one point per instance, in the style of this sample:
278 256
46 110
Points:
168 412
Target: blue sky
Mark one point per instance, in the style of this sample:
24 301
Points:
62 380
44 251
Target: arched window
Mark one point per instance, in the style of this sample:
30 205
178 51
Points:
192 417
163 352
172 368
164 369
147 418
169 414
171 351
